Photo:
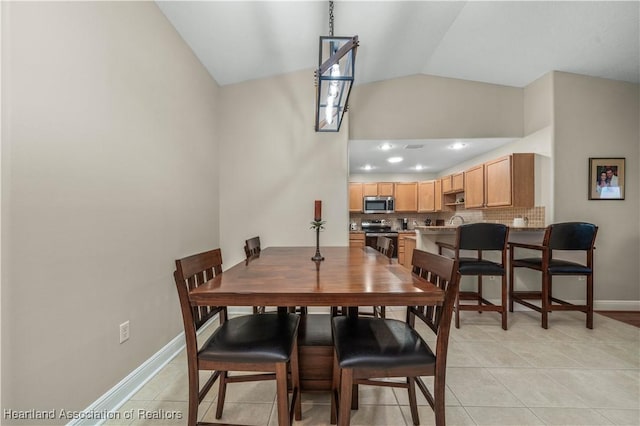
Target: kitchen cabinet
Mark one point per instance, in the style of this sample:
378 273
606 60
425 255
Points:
406 197
504 182
457 182
355 197
369 189
379 189
406 245
509 181
409 247
474 187
427 196
438 195
446 184
356 239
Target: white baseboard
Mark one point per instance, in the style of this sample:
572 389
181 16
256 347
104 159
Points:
616 305
115 397
598 305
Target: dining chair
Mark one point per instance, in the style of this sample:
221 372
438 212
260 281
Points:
559 237
252 251
480 238
369 349
264 343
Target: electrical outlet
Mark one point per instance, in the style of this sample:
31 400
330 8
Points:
582 278
124 331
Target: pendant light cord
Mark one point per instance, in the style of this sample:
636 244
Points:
331 18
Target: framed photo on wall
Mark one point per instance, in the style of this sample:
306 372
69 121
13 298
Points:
606 178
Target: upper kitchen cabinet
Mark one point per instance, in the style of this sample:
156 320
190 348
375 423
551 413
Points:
504 182
355 197
457 182
380 189
509 181
406 197
474 187
427 196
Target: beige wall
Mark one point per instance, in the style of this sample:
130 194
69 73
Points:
119 154
108 174
600 118
275 165
424 106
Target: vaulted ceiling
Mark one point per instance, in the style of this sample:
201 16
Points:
501 42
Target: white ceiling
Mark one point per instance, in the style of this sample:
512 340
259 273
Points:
432 155
502 42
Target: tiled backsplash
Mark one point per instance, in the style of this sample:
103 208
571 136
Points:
535 216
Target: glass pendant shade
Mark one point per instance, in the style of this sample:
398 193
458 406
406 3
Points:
334 79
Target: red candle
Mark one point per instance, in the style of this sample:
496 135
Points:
318 212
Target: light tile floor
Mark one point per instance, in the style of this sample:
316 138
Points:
566 375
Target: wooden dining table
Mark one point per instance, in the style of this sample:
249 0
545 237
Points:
286 276
348 277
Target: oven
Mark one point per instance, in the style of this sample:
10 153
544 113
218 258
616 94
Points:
379 228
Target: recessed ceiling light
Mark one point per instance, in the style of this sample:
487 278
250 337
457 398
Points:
367 167
419 167
394 159
386 146
457 145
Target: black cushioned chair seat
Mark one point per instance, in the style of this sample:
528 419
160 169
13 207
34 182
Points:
556 266
252 338
378 342
315 330
472 266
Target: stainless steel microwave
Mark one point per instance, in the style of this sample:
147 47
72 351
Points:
378 205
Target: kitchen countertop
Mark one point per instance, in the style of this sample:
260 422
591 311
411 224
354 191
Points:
454 227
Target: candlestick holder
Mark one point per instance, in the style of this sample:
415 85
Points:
317 225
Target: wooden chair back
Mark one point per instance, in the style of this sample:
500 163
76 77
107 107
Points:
385 246
442 272
191 272
251 249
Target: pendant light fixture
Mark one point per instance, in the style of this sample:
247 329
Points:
334 78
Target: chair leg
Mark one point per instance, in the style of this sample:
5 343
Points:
194 391
479 292
590 301
511 279
545 299
295 381
222 391
282 397
413 402
504 302
457 310
438 399
346 386
335 386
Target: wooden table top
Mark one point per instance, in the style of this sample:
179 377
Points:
286 276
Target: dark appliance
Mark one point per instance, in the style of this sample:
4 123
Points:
378 205
379 228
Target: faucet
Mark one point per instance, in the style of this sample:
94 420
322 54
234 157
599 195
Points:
453 217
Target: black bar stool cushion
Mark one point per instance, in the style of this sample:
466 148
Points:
556 266
472 266
378 343
252 338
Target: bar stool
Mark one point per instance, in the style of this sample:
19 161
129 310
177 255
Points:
480 237
569 236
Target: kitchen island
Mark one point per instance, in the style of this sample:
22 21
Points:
426 236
